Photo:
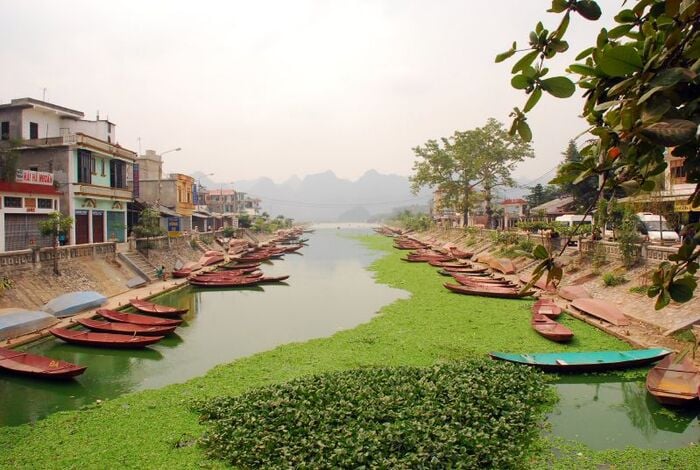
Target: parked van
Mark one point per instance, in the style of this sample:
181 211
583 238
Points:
573 219
656 228
652 227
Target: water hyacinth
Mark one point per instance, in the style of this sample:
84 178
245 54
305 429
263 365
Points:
472 414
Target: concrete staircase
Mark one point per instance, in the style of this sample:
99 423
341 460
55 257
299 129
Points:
139 264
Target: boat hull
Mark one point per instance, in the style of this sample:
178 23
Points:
33 365
585 361
104 340
136 319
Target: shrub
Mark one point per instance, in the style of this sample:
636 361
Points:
470 415
639 290
612 279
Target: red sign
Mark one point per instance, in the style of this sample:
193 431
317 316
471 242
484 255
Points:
35 177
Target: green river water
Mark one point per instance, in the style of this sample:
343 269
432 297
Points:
329 290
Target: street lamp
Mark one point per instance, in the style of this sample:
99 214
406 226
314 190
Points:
160 171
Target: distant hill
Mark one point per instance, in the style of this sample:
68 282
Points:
323 197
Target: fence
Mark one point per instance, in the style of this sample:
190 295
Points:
36 257
166 242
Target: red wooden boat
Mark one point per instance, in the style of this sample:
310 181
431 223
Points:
292 248
550 329
24 363
450 264
540 284
503 265
601 309
547 307
457 253
271 279
156 309
240 282
234 266
466 270
485 291
674 382
573 292
180 273
104 340
136 319
227 274
467 281
213 259
126 328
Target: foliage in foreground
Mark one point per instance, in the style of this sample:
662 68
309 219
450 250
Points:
472 414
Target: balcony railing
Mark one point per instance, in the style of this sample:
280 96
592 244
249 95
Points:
83 189
84 140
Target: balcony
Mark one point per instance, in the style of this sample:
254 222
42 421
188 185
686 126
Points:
90 190
84 141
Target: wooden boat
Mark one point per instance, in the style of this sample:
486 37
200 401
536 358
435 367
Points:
457 253
487 291
673 382
235 265
271 279
468 280
136 319
585 361
225 283
228 274
156 309
104 340
450 264
546 307
466 270
213 259
183 272
601 309
550 329
126 328
292 248
24 363
73 302
540 284
503 265
573 292
483 274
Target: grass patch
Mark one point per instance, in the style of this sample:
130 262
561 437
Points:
157 429
611 279
641 290
401 417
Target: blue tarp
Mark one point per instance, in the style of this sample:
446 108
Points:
69 304
24 321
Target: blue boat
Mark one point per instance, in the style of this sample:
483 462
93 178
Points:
69 304
585 361
17 322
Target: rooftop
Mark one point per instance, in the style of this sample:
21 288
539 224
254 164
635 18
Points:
34 103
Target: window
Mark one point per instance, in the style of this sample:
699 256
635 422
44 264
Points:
13 201
102 166
5 130
45 204
85 164
117 176
33 168
33 130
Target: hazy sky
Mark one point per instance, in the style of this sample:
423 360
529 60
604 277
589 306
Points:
263 88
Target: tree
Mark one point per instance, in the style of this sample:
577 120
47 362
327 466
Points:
457 166
584 192
55 225
148 226
641 97
498 153
540 194
8 159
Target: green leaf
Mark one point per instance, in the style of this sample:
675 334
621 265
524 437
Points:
655 109
558 6
681 291
559 46
662 300
520 82
626 16
648 186
619 31
505 55
561 87
585 53
588 9
619 61
581 69
524 131
671 132
540 252
649 94
670 77
532 101
525 61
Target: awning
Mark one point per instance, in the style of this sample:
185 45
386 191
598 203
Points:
168 212
201 215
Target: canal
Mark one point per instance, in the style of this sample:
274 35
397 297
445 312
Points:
319 299
329 290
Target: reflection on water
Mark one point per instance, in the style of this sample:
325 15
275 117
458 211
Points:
605 411
320 298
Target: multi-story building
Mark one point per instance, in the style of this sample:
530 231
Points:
514 210
173 194
89 168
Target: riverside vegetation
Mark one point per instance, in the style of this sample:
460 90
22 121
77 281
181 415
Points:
161 428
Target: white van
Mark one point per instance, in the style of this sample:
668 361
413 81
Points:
656 228
573 219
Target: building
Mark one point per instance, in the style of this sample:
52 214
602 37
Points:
89 167
23 204
550 210
173 195
514 210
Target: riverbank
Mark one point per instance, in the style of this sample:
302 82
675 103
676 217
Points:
156 428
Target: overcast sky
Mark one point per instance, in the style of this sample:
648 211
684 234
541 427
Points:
263 88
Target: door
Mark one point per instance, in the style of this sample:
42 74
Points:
82 227
98 226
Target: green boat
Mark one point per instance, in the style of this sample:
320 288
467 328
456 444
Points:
585 361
